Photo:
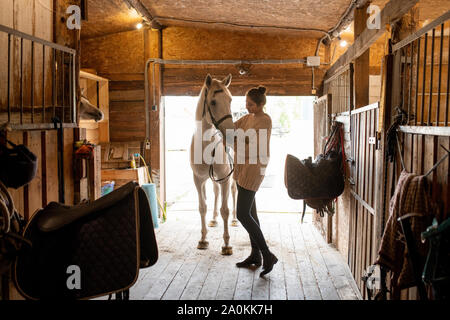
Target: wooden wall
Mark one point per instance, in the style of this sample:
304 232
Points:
202 44
120 58
96 90
44 19
35 18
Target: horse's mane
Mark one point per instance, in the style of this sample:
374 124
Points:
201 101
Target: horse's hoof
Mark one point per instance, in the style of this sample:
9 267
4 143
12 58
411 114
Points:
227 251
202 245
212 223
234 223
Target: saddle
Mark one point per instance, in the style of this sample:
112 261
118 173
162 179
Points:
321 181
88 250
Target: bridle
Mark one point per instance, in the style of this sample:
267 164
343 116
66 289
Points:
216 125
206 106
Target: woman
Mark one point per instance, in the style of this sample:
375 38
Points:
249 176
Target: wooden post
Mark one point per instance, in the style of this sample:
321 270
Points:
153 49
362 65
152 42
94 174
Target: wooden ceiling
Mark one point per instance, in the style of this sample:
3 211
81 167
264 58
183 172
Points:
107 17
111 16
283 15
280 16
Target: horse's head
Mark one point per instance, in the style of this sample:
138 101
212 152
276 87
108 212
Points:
88 111
217 106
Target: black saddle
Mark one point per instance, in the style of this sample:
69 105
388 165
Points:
88 250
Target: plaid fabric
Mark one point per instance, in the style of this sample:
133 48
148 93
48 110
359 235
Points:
411 196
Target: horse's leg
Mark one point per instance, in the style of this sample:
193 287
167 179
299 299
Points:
199 184
225 188
234 222
213 222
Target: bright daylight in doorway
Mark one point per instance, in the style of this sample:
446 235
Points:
292 118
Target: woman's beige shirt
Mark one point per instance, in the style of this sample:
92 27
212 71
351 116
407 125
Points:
249 175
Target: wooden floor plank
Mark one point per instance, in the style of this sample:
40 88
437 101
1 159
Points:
277 289
326 285
336 271
294 288
198 278
230 272
308 268
161 284
307 275
244 283
167 246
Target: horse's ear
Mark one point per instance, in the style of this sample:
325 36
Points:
208 81
227 81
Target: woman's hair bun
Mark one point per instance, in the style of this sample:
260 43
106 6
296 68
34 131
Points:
262 89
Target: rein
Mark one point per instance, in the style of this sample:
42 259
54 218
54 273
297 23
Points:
216 125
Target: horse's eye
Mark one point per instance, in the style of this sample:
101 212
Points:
213 103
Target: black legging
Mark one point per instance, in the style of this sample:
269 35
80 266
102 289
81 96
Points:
246 214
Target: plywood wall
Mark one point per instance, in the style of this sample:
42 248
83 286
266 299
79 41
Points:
202 44
120 58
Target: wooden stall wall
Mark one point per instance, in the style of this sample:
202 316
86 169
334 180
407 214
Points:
420 73
34 18
96 90
340 88
322 108
202 44
44 19
120 58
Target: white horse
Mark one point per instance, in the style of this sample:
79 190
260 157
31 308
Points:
213 112
88 111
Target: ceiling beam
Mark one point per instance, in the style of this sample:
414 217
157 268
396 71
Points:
144 12
392 12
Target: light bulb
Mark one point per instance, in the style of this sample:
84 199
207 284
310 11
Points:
343 43
139 26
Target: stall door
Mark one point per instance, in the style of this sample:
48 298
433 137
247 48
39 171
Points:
363 181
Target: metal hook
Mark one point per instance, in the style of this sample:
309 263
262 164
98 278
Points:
439 162
400 151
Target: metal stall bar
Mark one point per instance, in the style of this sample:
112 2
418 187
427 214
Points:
9 77
32 82
20 106
430 102
417 37
438 108
43 83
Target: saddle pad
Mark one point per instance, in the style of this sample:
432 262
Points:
104 245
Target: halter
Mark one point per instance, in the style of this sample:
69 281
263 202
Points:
206 106
216 124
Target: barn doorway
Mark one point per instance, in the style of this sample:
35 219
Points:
292 132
